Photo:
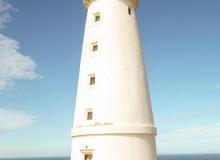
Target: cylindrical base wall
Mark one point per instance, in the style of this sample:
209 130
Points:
114 147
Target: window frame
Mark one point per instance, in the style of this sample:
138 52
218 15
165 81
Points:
85 152
96 17
92 79
94 47
89 115
89 118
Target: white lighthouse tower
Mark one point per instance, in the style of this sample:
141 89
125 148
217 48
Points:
113 116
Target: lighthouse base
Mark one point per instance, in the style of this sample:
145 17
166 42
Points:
114 147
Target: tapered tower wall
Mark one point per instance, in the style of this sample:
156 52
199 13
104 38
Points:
118 99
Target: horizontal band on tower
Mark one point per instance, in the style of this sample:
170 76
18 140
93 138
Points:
114 130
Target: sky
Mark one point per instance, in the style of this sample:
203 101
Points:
40 49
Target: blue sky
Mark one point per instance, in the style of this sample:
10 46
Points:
40 47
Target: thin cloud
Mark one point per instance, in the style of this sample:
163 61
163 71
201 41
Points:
10 120
218 86
195 131
13 64
195 139
5 16
184 117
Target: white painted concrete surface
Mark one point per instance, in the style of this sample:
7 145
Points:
122 126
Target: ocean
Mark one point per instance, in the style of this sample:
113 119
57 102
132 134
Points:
160 157
190 157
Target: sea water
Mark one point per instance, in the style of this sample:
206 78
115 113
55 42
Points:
190 157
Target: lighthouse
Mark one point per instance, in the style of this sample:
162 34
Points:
113 116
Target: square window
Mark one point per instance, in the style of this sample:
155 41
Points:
88 157
95 47
92 80
97 18
89 115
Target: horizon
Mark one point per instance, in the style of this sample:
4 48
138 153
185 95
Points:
158 155
40 49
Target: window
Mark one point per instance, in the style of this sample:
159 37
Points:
88 157
87 154
97 17
129 10
92 80
95 47
89 115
